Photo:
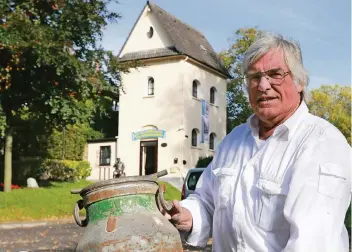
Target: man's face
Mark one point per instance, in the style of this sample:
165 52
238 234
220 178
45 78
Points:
273 104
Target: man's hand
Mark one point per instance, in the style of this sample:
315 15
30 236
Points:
180 217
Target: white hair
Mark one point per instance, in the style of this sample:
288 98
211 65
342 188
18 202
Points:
292 54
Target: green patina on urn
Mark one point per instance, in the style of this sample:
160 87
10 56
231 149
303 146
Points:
123 215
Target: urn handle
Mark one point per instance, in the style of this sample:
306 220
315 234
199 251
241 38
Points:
78 207
165 205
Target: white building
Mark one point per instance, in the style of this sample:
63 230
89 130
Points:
173 108
160 118
101 154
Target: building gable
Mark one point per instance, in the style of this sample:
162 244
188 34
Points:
146 35
172 37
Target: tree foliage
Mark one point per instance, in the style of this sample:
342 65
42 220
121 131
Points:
333 103
66 169
203 162
238 107
69 143
52 63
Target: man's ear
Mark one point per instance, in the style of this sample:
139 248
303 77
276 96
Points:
299 87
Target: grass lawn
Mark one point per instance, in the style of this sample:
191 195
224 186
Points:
50 203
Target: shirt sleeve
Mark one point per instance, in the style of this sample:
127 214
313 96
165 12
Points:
320 193
201 206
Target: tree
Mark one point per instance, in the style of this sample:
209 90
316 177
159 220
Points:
333 103
238 108
51 63
204 161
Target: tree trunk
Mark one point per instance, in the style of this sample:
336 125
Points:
8 159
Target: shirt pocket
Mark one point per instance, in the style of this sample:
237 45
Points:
225 180
269 214
333 181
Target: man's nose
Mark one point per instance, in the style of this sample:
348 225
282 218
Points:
264 83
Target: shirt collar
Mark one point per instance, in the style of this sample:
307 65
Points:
253 124
284 130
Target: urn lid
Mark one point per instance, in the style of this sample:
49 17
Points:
119 181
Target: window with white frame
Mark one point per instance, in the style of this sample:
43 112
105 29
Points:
195 87
212 139
212 95
195 136
150 86
105 155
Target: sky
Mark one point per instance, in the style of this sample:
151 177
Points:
322 27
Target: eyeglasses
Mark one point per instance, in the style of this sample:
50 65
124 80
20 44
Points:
274 77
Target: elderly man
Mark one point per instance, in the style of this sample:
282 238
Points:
280 182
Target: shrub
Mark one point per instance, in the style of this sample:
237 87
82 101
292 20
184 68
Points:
81 169
67 169
69 144
23 169
204 161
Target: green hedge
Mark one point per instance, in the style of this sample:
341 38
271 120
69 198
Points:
54 169
66 169
23 169
204 161
69 143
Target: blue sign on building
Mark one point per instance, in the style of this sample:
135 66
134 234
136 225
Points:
148 134
205 121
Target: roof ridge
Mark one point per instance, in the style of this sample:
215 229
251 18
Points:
177 19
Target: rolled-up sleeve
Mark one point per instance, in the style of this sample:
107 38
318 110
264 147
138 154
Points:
201 206
320 193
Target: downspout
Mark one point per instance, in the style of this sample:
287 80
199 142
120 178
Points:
116 146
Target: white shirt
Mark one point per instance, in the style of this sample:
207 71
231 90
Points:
290 193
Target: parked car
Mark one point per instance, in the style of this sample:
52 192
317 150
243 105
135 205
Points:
190 182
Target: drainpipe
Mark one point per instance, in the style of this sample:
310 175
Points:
116 145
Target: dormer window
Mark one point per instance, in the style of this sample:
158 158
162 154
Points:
151 86
203 48
150 32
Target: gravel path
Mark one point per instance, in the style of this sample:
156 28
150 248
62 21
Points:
53 237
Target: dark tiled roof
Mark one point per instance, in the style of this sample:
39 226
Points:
102 140
147 54
186 41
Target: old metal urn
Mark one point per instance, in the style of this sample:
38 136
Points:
123 215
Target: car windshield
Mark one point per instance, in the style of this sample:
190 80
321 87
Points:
193 179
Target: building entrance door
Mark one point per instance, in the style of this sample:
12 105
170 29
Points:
148 158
